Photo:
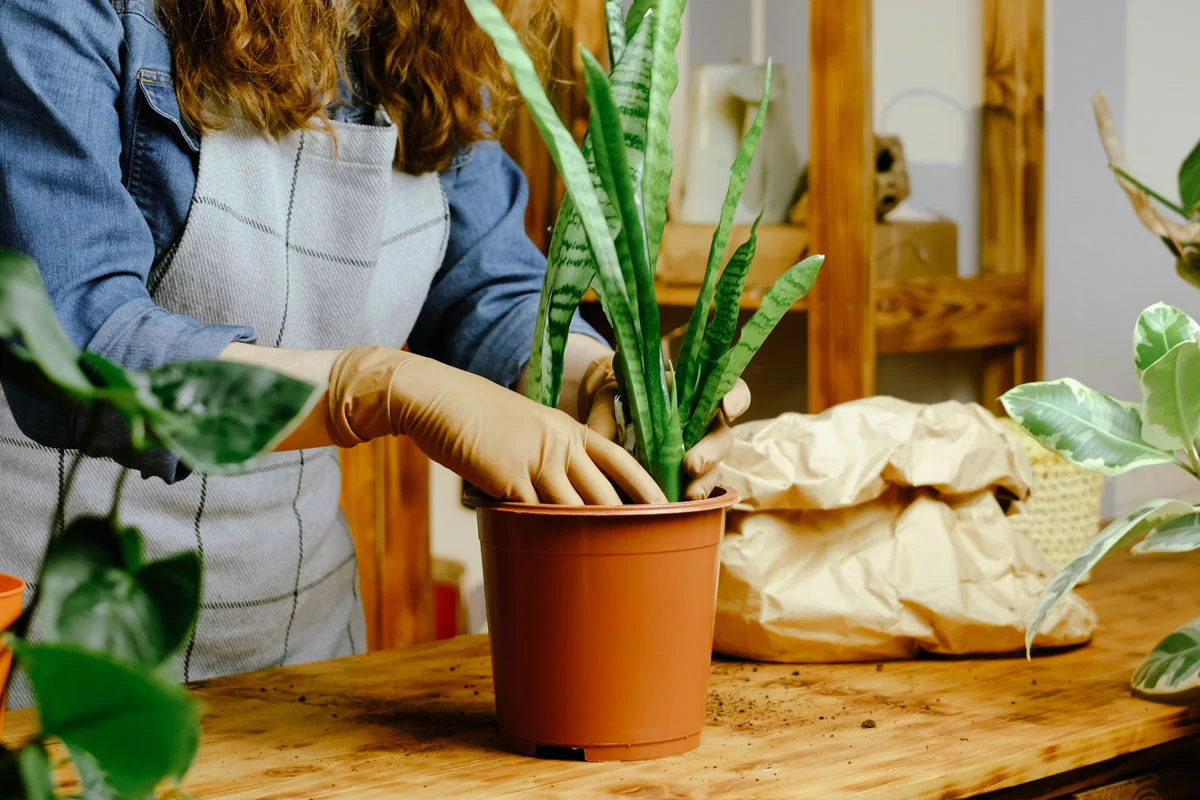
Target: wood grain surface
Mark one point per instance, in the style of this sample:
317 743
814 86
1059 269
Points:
419 722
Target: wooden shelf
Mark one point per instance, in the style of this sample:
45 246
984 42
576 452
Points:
921 315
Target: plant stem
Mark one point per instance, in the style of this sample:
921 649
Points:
58 522
116 501
1126 176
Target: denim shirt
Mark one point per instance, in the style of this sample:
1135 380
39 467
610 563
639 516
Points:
97 172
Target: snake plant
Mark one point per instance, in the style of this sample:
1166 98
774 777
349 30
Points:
1110 436
610 227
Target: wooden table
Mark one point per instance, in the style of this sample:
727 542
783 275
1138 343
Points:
419 722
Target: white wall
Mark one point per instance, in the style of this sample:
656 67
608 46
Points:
1102 268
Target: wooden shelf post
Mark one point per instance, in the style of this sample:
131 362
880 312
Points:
841 316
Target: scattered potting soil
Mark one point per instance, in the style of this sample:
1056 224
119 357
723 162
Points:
868 723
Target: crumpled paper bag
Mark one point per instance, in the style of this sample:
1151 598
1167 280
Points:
878 530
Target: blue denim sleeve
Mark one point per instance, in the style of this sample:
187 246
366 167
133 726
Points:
62 201
481 309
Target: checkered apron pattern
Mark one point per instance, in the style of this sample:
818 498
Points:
317 245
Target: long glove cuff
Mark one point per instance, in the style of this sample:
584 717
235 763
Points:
360 397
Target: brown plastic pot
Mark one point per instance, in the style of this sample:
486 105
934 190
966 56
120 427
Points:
601 624
11 590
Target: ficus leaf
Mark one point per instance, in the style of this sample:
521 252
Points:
1189 182
1083 426
1160 328
1122 530
1180 535
1170 405
1171 671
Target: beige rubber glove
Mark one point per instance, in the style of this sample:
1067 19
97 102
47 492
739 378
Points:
597 407
510 447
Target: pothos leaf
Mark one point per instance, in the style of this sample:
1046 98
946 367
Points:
1083 426
1189 181
1172 668
1120 531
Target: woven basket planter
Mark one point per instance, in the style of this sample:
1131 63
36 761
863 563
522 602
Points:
1063 510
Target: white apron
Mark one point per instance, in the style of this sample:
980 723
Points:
314 251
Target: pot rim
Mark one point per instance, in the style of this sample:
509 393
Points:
10 585
722 497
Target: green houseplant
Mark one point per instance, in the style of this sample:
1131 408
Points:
601 618
1112 436
110 620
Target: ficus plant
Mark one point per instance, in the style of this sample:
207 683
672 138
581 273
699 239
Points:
108 620
1112 436
609 230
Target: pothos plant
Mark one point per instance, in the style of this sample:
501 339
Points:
108 620
610 227
1111 436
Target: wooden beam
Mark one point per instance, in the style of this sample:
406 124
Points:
1011 181
951 314
841 330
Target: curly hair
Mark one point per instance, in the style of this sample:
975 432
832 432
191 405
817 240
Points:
276 63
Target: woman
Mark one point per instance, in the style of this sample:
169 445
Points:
307 186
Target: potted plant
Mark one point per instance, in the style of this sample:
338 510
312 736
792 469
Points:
1112 436
601 618
109 619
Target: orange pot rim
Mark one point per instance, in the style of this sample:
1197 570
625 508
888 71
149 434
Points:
721 497
10 585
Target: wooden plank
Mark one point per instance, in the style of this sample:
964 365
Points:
685 247
1011 180
841 335
1000 370
951 314
385 496
420 723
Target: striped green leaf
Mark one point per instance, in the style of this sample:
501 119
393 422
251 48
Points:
1172 669
578 180
1170 405
1189 182
1120 531
1159 328
570 267
1083 426
1180 535
615 17
638 12
689 354
790 287
718 334
612 166
656 187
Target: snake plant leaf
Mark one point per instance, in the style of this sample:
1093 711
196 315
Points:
1180 535
718 334
1170 406
1171 670
612 166
218 416
689 354
140 729
656 186
570 268
1120 531
575 174
791 286
1083 426
638 12
1160 328
614 15
25 312
1189 182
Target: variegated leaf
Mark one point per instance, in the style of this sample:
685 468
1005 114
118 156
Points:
1171 671
615 17
570 268
1120 531
656 187
1170 406
1180 535
1159 328
637 13
1083 426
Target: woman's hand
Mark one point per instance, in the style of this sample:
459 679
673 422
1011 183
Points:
597 407
510 447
